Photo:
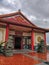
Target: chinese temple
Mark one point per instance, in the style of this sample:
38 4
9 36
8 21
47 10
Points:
20 31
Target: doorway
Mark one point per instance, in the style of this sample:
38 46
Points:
17 43
27 42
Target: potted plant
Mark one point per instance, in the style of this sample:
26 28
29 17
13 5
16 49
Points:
2 47
8 49
41 46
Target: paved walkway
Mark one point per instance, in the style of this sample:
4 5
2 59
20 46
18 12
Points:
25 57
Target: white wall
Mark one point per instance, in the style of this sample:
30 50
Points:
2 35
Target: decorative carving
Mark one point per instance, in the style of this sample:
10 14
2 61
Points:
39 39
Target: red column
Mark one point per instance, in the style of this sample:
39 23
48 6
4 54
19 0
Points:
21 44
45 38
7 33
32 40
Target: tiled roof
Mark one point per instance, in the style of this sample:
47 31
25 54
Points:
19 19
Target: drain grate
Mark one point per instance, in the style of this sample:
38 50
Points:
46 63
41 64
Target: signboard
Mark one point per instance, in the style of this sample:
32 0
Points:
26 34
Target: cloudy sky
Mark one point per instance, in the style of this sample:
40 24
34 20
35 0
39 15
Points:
35 10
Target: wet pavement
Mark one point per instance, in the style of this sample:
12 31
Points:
30 58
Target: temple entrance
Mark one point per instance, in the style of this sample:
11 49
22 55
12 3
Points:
17 43
27 42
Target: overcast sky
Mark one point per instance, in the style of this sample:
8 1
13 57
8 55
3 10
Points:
35 10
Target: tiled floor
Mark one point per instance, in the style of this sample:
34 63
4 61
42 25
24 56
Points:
17 59
21 59
43 56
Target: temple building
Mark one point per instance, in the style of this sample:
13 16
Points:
20 31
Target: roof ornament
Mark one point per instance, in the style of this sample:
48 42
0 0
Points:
19 10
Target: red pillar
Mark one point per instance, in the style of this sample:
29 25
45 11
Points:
45 38
32 40
7 33
21 44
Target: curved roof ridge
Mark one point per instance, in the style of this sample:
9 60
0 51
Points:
9 15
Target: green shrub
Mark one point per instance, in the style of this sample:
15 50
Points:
2 47
41 46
